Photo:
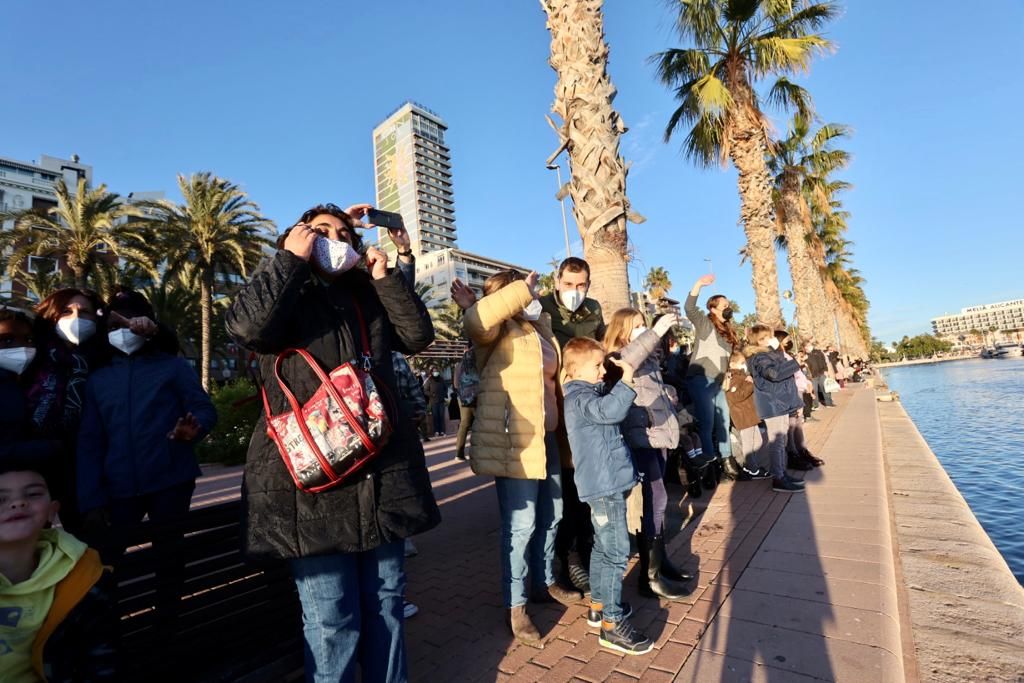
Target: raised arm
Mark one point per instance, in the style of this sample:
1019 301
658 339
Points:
609 409
483 320
412 330
701 324
258 316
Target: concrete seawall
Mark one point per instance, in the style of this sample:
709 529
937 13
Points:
964 606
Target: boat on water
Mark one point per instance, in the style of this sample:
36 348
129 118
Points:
1008 350
987 352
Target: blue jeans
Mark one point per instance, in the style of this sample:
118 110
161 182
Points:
437 413
530 512
610 554
352 611
711 411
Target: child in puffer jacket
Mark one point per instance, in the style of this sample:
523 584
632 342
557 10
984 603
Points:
604 475
775 396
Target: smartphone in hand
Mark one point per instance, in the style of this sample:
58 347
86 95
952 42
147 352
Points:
385 219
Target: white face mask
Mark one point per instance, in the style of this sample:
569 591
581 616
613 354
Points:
572 299
126 341
637 331
334 256
17 359
533 310
75 330
773 343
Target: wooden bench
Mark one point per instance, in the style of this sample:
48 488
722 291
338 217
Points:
236 621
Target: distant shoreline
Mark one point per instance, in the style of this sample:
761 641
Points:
926 361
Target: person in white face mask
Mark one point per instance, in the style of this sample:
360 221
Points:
144 413
323 292
573 315
16 353
71 341
650 430
518 410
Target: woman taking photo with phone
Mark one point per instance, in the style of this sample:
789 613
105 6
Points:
321 292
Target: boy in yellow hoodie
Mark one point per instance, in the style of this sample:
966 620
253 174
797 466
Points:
56 622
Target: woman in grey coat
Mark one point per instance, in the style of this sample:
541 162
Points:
650 429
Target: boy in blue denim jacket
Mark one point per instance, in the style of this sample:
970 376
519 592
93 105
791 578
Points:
604 475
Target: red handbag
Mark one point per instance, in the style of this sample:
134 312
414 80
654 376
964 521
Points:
338 430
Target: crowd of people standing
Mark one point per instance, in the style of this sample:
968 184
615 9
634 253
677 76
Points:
572 410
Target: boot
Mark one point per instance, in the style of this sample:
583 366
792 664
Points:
579 576
732 471
652 582
522 626
669 570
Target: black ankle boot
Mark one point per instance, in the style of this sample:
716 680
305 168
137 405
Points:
669 570
652 582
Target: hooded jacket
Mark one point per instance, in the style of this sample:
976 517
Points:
652 421
775 392
508 423
603 462
130 407
58 626
284 305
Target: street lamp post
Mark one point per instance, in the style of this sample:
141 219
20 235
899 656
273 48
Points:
565 224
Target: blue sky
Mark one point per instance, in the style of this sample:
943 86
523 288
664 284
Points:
282 98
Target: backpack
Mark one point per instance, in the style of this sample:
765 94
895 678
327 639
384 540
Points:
469 378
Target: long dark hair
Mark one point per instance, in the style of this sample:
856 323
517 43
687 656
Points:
723 327
330 210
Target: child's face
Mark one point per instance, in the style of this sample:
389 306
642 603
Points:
591 369
25 506
14 334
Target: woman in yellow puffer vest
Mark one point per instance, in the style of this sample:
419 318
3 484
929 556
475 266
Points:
517 412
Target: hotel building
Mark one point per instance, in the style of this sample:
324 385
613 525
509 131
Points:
1003 316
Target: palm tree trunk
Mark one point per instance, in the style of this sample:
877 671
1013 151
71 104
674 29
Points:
801 267
590 132
206 309
747 150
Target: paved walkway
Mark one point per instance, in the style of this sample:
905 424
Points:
790 587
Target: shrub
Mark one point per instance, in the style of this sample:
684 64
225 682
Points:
238 408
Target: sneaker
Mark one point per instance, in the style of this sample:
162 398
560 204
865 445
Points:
410 609
410 548
793 480
623 637
594 616
786 486
579 578
758 473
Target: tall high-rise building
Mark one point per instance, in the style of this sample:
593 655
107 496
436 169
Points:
413 176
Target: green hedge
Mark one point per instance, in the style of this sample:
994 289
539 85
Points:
238 408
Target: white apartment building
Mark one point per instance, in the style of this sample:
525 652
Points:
30 185
438 269
1003 316
413 177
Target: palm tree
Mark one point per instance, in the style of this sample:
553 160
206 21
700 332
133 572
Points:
657 283
801 163
735 46
590 130
217 230
84 229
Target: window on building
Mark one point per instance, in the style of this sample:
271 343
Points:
41 265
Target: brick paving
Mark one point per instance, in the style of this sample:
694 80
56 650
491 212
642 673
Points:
762 608
460 633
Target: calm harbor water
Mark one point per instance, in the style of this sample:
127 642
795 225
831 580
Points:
971 413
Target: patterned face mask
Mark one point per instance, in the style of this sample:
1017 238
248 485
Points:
334 256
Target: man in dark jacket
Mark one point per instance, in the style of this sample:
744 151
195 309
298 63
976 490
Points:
345 545
573 315
436 391
818 365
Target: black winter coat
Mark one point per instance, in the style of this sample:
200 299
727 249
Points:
285 306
